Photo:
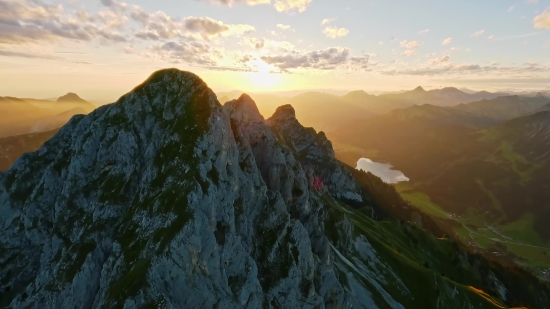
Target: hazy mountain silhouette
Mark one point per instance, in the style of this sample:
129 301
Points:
504 108
22 116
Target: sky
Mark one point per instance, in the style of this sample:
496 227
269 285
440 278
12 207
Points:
101 49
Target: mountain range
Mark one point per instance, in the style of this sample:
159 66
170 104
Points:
328 111
169 199
23 116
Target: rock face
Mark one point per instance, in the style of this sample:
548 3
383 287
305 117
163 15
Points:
166 199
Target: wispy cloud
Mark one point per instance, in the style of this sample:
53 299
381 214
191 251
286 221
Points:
542 21
327 21
410 44
519 36
335 32
478 33
424 31
292 5
447 41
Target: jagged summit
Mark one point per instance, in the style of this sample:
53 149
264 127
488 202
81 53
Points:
244 109
284 113
419 89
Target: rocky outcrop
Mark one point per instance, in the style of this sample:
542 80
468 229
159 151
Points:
315 152
156 197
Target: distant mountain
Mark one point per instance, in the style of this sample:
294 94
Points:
326 111
56 121
224 99
23 116
71 97
441 115
11 148
504 108
323 111
64 103
449 96
17 115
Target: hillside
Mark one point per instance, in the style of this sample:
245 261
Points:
11 148
505 108
166 198
481 177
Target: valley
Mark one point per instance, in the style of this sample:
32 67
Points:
486 187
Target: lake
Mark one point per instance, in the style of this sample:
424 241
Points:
383 170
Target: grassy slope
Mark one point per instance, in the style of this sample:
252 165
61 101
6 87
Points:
517 237
430 268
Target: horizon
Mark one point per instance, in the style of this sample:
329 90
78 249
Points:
297 92
102 49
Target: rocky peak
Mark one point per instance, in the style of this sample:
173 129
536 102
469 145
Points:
284 115
315 152
419 89
244 109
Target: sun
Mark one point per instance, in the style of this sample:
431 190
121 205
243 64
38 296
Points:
263 79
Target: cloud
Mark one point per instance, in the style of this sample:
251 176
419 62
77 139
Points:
230 2
111 19
443 59
114 5
490 37
362 63
9 53
449 68
194 53
409 52
424 31
283 27
159 26
447 41
478 33
542 20
327 59
327 21
410 44
510 9
33 21
291 5
334 32
208 27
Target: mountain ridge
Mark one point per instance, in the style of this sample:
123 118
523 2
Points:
169 199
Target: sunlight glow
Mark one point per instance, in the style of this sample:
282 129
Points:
263 79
